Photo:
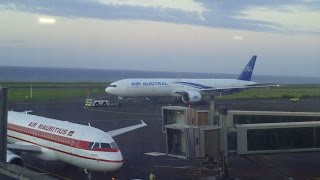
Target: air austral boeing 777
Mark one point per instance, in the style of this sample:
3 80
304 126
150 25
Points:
190 90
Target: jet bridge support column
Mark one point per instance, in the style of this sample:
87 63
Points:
224 173
3 123
211 109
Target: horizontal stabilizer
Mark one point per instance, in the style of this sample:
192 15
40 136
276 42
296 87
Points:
262 85
126 129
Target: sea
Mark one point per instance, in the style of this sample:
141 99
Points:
44 74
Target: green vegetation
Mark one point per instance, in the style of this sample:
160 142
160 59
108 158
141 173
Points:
22 91
288 91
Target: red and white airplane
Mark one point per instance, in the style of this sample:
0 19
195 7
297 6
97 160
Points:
83 146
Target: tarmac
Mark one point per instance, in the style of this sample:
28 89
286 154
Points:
134 145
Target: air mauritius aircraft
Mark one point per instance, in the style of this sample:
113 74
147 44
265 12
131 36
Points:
190 90
83 146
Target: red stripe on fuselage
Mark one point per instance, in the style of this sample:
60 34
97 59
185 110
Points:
74 143
76 155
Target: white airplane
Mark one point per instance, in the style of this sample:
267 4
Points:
190 90
83 146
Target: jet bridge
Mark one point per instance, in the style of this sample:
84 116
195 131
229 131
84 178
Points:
192 134
189 132
260 132
278 137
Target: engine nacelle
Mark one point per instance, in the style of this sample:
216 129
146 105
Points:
14 159
191 97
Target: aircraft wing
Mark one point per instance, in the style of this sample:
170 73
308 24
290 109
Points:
24 148
126 129
232 89
180 92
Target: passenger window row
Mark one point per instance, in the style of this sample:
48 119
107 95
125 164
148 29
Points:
53 137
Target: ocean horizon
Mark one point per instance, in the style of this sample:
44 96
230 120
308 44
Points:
48 74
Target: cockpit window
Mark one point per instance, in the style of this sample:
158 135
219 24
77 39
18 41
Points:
113 145
90 144
97 145
93 145
105 145
112 85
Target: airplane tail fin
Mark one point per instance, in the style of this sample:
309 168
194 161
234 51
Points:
247 71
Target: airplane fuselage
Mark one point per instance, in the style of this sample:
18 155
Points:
82 146
168 87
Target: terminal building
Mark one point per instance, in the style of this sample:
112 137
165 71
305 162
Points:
194 133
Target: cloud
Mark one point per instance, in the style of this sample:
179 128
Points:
237 37
288 18
189 6
183 5
46 20
11 43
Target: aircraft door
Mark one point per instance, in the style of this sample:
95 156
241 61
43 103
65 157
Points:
36 135
75 142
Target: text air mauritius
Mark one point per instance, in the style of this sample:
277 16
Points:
48 139
190 90
49 128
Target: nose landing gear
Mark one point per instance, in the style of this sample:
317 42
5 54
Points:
87 173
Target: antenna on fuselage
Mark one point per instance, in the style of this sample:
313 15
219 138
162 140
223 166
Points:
27 112
89 124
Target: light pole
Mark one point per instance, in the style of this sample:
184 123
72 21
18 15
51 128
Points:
3 123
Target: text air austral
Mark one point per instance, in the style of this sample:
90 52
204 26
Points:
149 84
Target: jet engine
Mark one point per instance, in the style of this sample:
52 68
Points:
14 159
191 97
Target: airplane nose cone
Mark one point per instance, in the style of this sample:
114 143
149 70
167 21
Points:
117 166
108 90
118 161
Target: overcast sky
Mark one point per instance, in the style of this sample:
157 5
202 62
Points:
211 36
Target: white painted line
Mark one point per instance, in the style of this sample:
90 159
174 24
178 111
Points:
155 154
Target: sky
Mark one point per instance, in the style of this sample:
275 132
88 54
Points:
210 36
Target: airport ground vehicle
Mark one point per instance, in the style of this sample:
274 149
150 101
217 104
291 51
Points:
96 102
295 99
100 102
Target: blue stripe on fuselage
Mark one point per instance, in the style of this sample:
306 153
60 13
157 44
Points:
199 86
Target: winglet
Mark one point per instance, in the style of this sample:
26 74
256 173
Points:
142 122
247 71
126 129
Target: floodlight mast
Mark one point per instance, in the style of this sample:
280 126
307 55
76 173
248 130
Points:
3 123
